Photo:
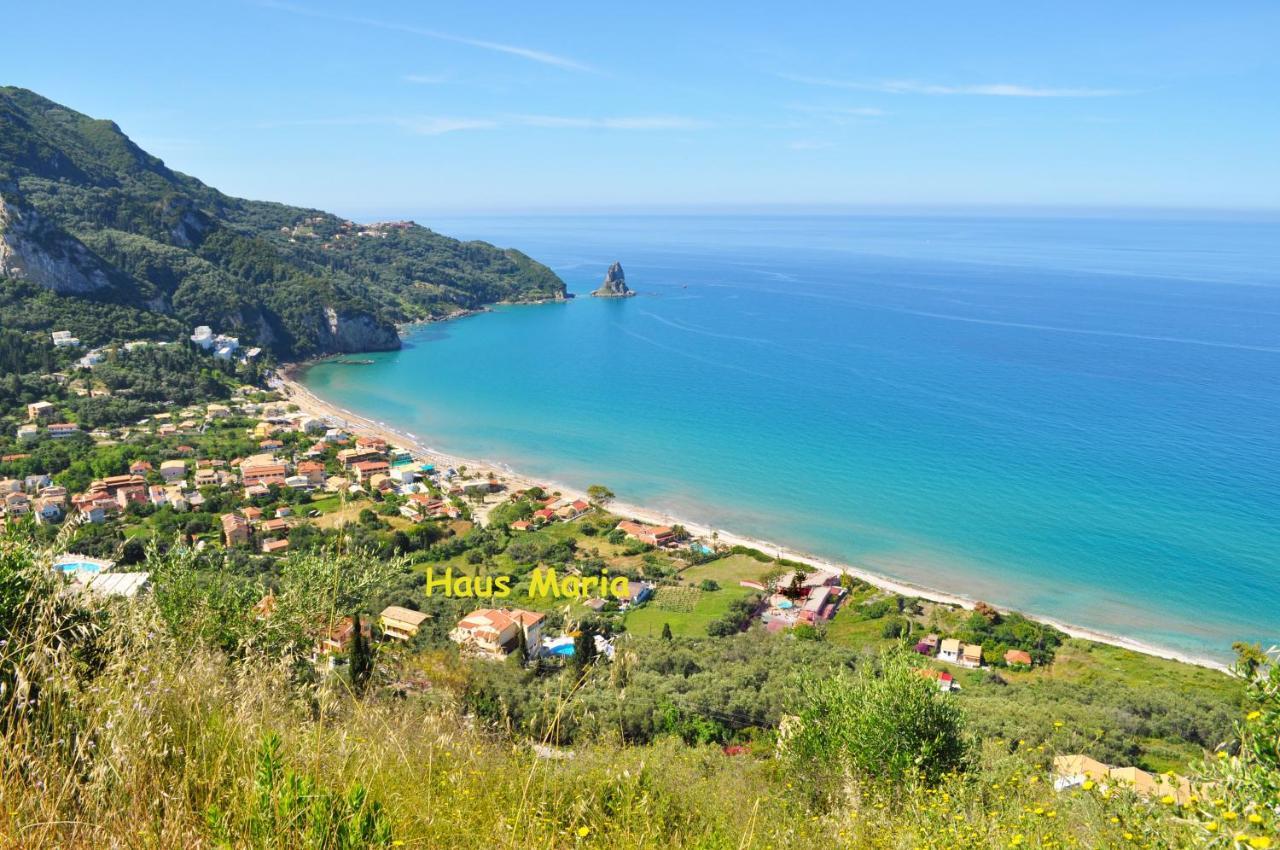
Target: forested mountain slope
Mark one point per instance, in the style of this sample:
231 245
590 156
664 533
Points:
88 215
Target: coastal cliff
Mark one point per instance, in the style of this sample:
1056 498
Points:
615 284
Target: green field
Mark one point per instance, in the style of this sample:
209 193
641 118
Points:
689 610
728 571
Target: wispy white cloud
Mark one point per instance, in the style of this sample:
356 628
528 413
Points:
528 53
838 111
982 90
811 145
436 126
633 122
439 125
426 79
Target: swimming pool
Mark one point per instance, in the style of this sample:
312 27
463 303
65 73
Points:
72 564
562 646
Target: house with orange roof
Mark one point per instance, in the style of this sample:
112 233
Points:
366 469
235 530
495 633
1018 658
654 535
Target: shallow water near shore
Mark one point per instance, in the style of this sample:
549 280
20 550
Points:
1074 417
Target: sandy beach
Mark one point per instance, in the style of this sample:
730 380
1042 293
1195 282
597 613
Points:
361 425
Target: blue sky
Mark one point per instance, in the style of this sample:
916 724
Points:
401 107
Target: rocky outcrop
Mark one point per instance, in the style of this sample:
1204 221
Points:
33 248
615 284
349 332
188 226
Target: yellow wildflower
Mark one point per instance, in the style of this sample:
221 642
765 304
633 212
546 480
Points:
584 831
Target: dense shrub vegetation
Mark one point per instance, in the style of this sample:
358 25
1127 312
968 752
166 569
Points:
183 719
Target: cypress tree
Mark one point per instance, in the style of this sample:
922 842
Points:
360 657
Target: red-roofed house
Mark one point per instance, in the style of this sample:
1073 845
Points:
494 633
235 530
274 473
366 469
654 535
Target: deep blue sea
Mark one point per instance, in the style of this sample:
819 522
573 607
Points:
1076 417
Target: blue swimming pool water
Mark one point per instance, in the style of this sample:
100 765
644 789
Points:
71 567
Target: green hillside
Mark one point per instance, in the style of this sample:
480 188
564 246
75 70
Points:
88 215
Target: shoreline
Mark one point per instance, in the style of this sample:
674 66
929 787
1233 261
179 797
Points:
309 402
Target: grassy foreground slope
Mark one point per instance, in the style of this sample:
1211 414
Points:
181 720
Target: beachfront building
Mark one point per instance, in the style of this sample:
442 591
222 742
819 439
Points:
350 457
366 469
573 510
654 535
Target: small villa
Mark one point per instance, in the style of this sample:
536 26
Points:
400 623
494 633
1018 658
654 535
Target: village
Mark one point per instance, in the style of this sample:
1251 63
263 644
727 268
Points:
256 477
283 470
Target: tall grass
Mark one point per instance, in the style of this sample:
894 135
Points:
117 732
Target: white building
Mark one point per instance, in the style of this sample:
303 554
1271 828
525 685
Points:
225 346
203 337
91 359
64 339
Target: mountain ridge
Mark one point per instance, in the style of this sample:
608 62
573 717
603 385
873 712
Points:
86 213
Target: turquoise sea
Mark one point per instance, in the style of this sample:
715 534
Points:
1074 416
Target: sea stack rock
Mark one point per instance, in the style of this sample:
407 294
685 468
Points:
615 284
